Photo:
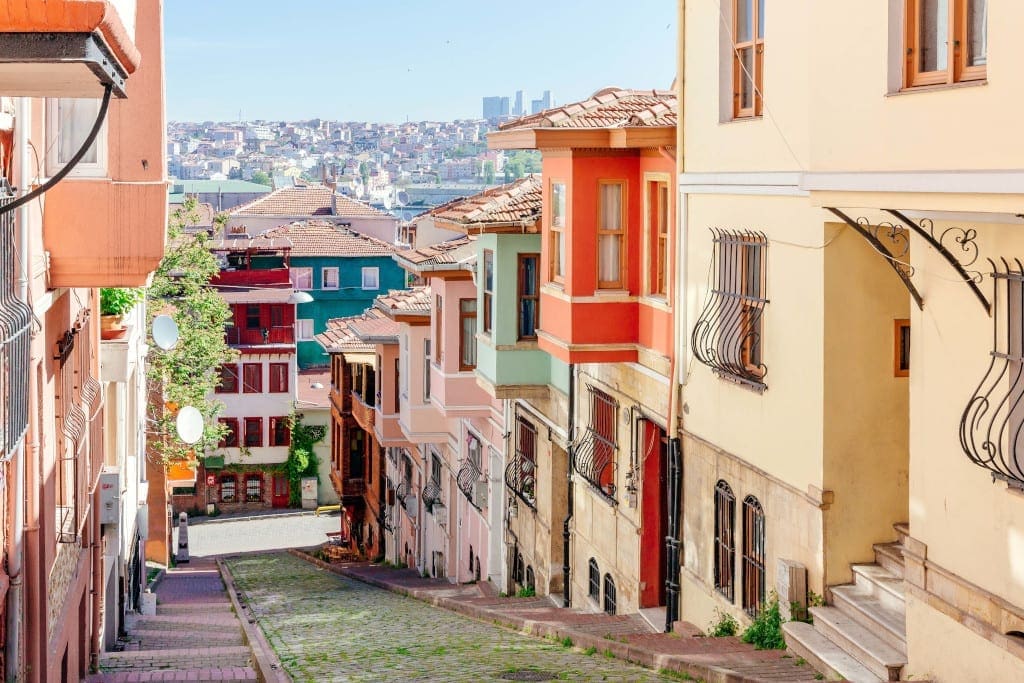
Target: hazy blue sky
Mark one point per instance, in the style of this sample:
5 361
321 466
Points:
385 60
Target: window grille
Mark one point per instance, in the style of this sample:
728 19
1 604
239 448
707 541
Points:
15 317
727 335
470 473
609 594
753 556
725 544
253 488
594 457
432 489
227 489
521 471
531 583
594 580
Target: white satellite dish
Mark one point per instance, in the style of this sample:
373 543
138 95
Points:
165 332
190 424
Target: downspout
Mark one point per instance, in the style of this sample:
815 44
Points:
675 465
571 448
97 585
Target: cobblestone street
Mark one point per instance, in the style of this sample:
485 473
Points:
328 628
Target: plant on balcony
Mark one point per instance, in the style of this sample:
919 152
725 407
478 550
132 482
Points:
115 302
302 460
188 373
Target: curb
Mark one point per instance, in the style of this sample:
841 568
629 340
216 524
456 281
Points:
265 661
633 654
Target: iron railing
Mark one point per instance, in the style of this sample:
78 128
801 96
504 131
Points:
402 492
727 334
15 318
594 460
468 476
521 471
609 594
725 544
593 580
431 494
753 556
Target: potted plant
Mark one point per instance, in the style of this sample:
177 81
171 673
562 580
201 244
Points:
115 302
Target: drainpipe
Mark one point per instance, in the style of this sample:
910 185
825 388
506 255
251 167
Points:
566 588
97 583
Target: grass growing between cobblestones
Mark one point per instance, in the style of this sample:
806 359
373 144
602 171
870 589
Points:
329 628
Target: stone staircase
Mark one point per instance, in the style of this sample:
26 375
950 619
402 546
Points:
862 636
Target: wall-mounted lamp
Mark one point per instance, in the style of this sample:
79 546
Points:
299 298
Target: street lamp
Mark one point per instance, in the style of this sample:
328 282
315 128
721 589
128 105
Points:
299 298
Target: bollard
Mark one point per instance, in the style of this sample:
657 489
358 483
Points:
181 556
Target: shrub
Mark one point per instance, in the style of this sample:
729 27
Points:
526 593
119 300
724 626
765 633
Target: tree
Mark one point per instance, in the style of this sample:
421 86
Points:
261 178
187 374
364 172
489 172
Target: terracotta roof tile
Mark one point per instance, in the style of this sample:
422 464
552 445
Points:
306 200
455 254
244 242
516 202
374 327
415 301
608 108
310 395
338 338
323 238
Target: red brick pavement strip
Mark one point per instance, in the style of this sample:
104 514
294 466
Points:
716 660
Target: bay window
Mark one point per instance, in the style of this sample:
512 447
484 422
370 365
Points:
610 234
557 231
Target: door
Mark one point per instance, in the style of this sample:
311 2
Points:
280 497
653 455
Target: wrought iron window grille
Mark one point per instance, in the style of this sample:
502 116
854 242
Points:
609 594
467 478
727 334
402 492
593 580
753 556
387 518
15 321
521 471
594 461
725 543
992 423
431 494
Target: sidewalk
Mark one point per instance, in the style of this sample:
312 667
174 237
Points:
628 637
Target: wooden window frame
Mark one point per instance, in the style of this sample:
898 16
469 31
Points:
463 341
604 422
259 432
521 296
900 364
277 315
657 205
957 69
557 258
488 291
252 387
323 277
438 327
602 231
756 43
233 437
228 370
275 424
250 310
281 386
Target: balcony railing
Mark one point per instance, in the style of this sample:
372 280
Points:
469 479
520 478
265 336
431 494
594 460
355 487
14 340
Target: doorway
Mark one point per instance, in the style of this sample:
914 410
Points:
653 455
280 497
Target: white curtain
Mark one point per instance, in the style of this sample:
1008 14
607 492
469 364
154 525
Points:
610 246
76 119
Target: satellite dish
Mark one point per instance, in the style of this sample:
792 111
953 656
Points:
190 424
165 332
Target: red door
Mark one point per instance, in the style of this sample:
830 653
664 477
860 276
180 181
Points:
280 497
655 515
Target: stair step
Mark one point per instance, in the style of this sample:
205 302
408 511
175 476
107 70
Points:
221 673
888 623
192 608
890 556
162 639
902 531
179 658
824 655
882 658
881 583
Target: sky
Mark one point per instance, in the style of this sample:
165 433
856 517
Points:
397 60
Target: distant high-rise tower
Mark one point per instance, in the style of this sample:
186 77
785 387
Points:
517 108
495 107
545 102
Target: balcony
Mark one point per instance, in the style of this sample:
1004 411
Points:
387 429
243 277
363 412
354 487
267 336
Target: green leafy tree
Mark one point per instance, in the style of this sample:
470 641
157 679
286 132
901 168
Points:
302 460
187 374
261 178
489 172
364 173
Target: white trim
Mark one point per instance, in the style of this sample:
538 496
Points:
84 169
323 277
780 183
293 275
946 182
370 270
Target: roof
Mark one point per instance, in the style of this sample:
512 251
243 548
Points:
204 214
323 238
607 108
307 200
374 327
257 295
338 338
308 394
517 203
454 254
243 242
415 301
207 186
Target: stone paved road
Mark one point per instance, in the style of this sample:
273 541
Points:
217 537
328 628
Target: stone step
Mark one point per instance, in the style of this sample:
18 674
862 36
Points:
890 556
824 655
902 531
888 623
183 622
882 658
881 583
193 608
219 673
182 658
159 640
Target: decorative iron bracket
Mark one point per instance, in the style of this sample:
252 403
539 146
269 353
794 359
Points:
903 271
962 236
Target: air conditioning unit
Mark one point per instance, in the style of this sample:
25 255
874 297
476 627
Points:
480 492
110 495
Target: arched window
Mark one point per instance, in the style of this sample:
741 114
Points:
753 556
725 544
530 585
609 594
595 580
253 488
470 558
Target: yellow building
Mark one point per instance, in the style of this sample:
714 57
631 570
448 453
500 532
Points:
848 173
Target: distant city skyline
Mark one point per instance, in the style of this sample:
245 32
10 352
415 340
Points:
390 62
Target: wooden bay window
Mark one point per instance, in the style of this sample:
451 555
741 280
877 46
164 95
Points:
467 334
657 198
529 296
611 234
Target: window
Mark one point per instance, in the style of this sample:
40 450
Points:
748 57
488 289
595 457
725 547
593 580
437 328
329 278
467 334
609 594
253 432
371 278
529 296
280 432
727 335
277 316
227 488
557 245
901 348
946 41
278 378
435 469
228 379
398 383
252 378
253 320
610 234
521 472
302 278
230 438
69 122
426 370
253 488
355 452
657 238
304 329
753 556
